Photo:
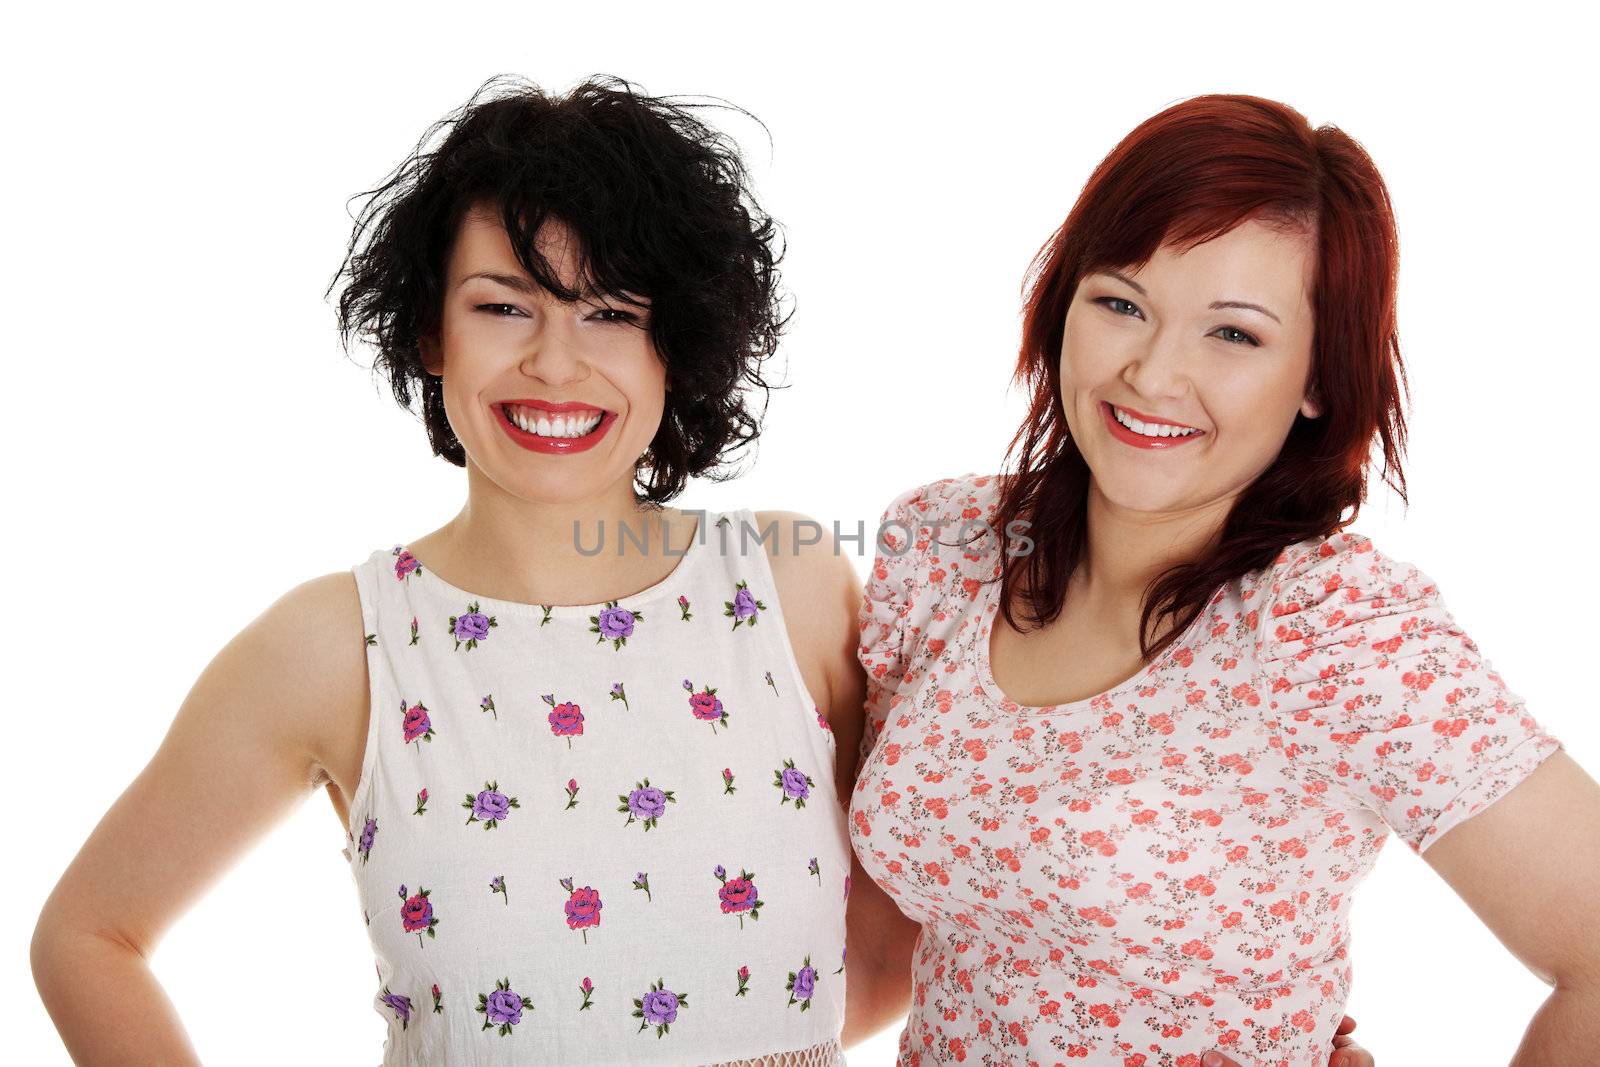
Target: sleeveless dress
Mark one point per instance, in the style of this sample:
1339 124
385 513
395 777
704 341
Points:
599 834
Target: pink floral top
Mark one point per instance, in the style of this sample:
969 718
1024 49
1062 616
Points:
1168 866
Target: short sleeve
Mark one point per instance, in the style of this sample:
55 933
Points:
889 600
1377 690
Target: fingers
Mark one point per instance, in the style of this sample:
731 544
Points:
1217 1059
1347 1024
1352 1055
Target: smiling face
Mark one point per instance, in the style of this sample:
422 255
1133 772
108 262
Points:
1163 345
552 402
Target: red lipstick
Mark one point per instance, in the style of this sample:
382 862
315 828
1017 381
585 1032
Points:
1139 440
553 445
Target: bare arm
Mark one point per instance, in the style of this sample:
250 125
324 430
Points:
821 596
1529 866
256 718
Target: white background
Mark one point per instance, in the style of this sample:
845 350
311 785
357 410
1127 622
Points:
186 441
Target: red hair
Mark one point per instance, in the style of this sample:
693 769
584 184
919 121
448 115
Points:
1182 177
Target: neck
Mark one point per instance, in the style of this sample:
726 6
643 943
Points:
545 551
1129 549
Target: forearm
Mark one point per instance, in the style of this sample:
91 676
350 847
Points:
1565 1030
106 1002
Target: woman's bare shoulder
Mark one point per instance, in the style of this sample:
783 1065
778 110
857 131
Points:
325 613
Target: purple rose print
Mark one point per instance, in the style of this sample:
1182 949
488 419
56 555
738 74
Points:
706 706
503 1007
364 846
400 1004
487 704
489 806
795 785
842 953
738 896
614 624
414 722
743 607
498 885
659 1007
815 869
772 684
619 693
802 984
470 628
642 881
645 802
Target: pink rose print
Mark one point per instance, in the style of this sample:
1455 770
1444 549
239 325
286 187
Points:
405 564
414 722
706 707
422 801
582 907
744 981
566 719
738 896
586 987
416 913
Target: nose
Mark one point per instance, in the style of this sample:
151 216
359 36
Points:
552 352
1161 370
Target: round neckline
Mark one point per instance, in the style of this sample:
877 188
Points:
989 689
673 580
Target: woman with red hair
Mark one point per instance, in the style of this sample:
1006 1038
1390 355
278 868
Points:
1142 710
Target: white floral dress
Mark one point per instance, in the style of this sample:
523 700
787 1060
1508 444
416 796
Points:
598 834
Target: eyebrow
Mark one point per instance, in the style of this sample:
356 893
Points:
510 281
1215 304
523 285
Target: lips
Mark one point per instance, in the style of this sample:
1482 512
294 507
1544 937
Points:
1138 440
554 445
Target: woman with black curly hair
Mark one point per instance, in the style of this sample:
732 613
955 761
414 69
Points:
582 292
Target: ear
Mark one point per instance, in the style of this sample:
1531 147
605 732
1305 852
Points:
1311 406
432 358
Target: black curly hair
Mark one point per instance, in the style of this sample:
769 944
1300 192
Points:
661 206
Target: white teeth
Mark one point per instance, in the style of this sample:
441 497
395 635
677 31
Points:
546 425
1149 429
